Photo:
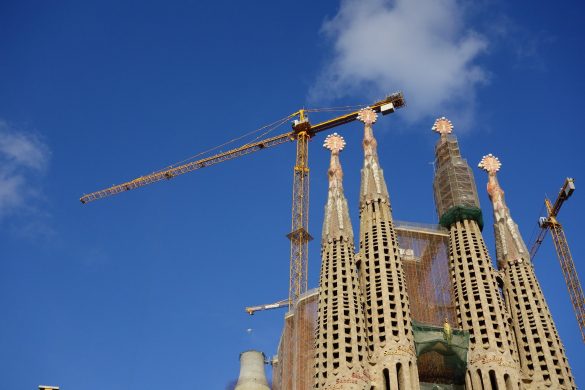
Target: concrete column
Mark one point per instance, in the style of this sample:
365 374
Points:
252 374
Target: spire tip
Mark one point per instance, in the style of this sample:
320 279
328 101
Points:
367 116
490 163
443 126
334 142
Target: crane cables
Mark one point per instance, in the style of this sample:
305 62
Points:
260 141
536 232
270 128
336 109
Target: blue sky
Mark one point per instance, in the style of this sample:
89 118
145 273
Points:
147 289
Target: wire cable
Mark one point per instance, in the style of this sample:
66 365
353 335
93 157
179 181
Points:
271 127
334 109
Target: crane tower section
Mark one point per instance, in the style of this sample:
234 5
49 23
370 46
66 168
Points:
570 274
563 251
299 236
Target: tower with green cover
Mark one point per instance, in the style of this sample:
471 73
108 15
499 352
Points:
492 358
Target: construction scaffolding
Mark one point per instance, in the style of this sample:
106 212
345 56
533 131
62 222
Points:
441 359
293 367
441 353
454 186
425 259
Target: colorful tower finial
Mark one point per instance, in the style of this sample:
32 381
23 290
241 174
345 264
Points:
490 163
443 126
367 116
334 142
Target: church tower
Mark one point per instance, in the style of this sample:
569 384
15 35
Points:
340 351
480 308
542 358
388 324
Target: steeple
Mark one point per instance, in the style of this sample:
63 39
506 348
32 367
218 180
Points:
510 247
480 307
340 345
373 186
336 225
390 340
542 357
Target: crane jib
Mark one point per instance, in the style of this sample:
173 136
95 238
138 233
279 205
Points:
189 167
395 100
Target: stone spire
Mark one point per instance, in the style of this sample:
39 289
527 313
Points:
480 306
509 244
336 223
373 186
542 357
340 351
390 339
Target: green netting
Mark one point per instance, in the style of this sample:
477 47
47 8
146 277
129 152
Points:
451 344
460 213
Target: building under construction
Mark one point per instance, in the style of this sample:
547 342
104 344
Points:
417 306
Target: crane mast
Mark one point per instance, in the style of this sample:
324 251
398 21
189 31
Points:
299 235
570 274
302 132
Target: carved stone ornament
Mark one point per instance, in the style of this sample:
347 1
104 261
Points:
334 142
490 163
443 126
367 115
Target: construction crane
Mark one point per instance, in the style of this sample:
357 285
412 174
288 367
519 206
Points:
551 223
252 309
302 132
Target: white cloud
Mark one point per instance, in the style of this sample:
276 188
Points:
23 158
421 47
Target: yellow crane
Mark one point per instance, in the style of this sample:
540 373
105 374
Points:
302 132
551 223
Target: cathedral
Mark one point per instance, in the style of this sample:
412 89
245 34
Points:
413 306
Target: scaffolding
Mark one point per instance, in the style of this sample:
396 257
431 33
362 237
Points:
454 186
425 257
293 367
441 359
